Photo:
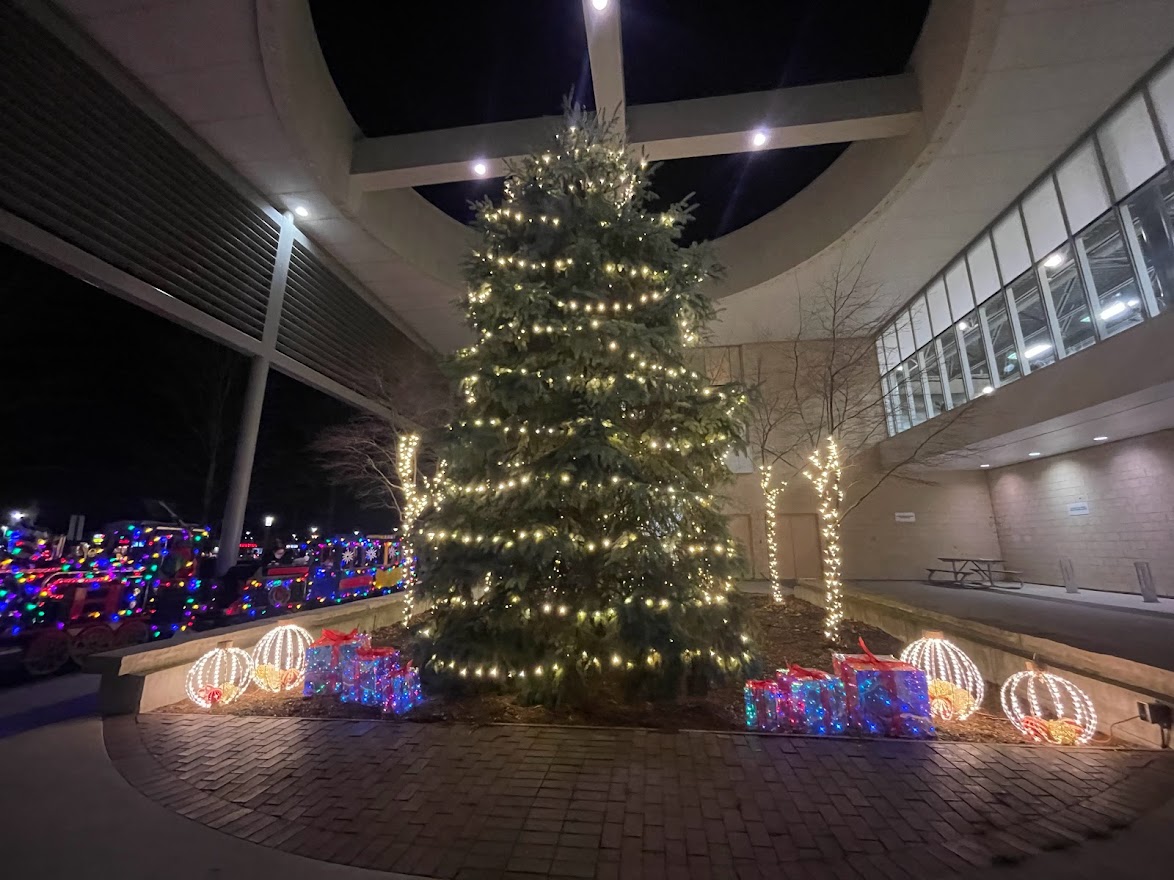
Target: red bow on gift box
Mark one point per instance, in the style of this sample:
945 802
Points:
336 640
369 653
802 672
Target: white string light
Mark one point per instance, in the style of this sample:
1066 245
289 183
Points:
826 478
279 658
956 687
219 677
772 545
1048 708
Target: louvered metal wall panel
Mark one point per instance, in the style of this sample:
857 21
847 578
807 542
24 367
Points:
78 159
329 327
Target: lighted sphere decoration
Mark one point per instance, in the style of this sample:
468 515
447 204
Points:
1048 708
219 677
279 659
956 687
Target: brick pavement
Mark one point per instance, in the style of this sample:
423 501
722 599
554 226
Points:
531 802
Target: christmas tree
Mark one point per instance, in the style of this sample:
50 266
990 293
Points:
576 535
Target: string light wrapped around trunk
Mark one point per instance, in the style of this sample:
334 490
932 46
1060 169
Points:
825 474
956 687
772 544
279 659
1048 708
219 677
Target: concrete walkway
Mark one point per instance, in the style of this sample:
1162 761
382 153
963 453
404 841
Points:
1143 638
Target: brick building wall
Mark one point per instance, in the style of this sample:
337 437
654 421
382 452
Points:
1129 489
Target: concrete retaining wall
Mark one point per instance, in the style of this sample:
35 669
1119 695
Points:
146 677
1114 684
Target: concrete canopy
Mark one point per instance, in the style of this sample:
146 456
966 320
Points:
995 91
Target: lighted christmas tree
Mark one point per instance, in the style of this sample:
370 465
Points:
576 534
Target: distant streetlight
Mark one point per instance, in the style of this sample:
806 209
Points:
270 520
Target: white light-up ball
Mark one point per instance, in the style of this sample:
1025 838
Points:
279 659
219 677
1048 708
956 687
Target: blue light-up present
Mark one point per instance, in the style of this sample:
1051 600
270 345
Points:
763 700
885 696
330 661
814 701
385 679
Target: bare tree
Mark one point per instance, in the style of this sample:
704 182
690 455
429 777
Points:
821 407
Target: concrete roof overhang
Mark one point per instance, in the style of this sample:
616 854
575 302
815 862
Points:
995 91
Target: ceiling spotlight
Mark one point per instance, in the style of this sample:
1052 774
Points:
1034 454
988 389
302 211
962 325
1100 439
984 465
599 5
480 168
1053 261
758 138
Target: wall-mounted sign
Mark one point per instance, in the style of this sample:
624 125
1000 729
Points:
905 516
1078 508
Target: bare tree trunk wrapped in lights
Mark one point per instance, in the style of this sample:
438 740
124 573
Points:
576 537
771 493
825 474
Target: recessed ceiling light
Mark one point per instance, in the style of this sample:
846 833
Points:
599 5
1053 261
302 211
988 389
962 325
984 465
480 168
1034 454
758 138
1101 438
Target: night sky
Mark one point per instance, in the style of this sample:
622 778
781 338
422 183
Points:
109 407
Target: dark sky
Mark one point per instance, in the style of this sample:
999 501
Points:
443 65
107 405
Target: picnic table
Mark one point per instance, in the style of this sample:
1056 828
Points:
974 571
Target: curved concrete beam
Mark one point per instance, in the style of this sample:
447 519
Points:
947 62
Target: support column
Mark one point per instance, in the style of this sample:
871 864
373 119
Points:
246 445
242 466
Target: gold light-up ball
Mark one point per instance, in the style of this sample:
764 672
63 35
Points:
956 687
279 659
219 677
1048 708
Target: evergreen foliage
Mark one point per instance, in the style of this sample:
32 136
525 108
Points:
576 533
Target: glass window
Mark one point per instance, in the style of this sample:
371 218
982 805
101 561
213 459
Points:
899 401
1062 283
937 401
915 391
1130 147
1010 245
1115 292
1150 212
905 335
1006 364
1162 91
975 351
1045 223
939 306
983 271
1082 186
1038 349
952 368
958 288
889 340
919 317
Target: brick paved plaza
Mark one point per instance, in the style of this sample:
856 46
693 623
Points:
530 802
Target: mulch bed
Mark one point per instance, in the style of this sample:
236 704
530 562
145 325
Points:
790 632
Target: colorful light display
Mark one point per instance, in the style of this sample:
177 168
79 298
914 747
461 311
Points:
330 661
219 677
886 697
279 659
1048 708
385 679
956 687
